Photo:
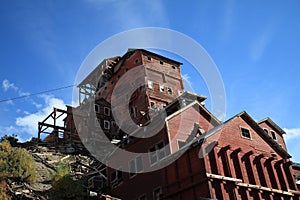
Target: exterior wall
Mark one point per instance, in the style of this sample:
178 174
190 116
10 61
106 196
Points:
186 177
181 125
279 136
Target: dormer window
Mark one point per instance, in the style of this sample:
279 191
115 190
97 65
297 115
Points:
273 135
245 133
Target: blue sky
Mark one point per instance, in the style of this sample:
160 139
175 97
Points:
255 44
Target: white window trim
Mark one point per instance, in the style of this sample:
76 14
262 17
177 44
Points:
271 131
161 88
98 108
157 152
106 111
242 134
150 84
108 122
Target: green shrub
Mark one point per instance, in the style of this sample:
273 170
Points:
16 163
64 186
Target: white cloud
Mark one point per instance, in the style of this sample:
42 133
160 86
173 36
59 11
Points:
188 85
29 123
293 133
6 85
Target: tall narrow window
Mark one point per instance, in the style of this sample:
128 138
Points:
170 90
132 111
157 152
273 134
97 108
106 124
162 88
106 111
150 84
156 193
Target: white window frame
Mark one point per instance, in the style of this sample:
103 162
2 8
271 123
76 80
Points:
241 132
106 122
275 136
98 108
106 111
150 84
161 88
133 166
170 91
157 153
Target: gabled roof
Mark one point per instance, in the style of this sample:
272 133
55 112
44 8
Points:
190 104
265 136
267 119
254 125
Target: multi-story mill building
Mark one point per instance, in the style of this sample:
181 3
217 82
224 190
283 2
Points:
236 159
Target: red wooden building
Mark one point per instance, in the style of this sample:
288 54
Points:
236 159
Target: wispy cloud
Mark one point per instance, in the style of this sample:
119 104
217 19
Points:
132 14
292 133
259 45
7 85
188 85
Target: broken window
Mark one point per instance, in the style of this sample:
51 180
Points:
150 84
156 193
152 104
106 111
162 88
157 152
116 177
170 90
273 134
135 166
106 124
245 133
